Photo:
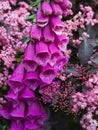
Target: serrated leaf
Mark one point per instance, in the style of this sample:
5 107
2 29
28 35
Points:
85 51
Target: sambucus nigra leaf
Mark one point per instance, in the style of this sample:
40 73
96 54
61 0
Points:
85 51
94 58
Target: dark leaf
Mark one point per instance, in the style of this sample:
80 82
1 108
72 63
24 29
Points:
74 71
95 70
94 58
85 51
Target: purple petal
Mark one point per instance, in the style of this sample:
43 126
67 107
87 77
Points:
67 12
16 79
31 124
35 32
46 8
41 19
42 87
35 109
57 25
42 53
56 9
48 34
60 63
55 53
26 93
12 96
29 58
32 79
7 108
47 74
17 125
18 110
62 41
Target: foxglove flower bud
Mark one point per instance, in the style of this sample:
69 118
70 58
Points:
46 8
56 9
29 58
48 34
41 19
42 53
47 74
55 53
35 32
32 80
57 25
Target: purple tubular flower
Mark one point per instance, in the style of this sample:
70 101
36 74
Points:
36 109
67 12
57 25
62 42
65 4
48 34
41 19
16 79
35 32
31 124
47 74
32 80
58 1
5 112
42 87
12 96
60 63
27 93
55 53
29 58
18 110
46 8
56 9
42 53
17 125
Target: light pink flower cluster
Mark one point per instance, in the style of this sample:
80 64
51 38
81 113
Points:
13 28
83 18
88 101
